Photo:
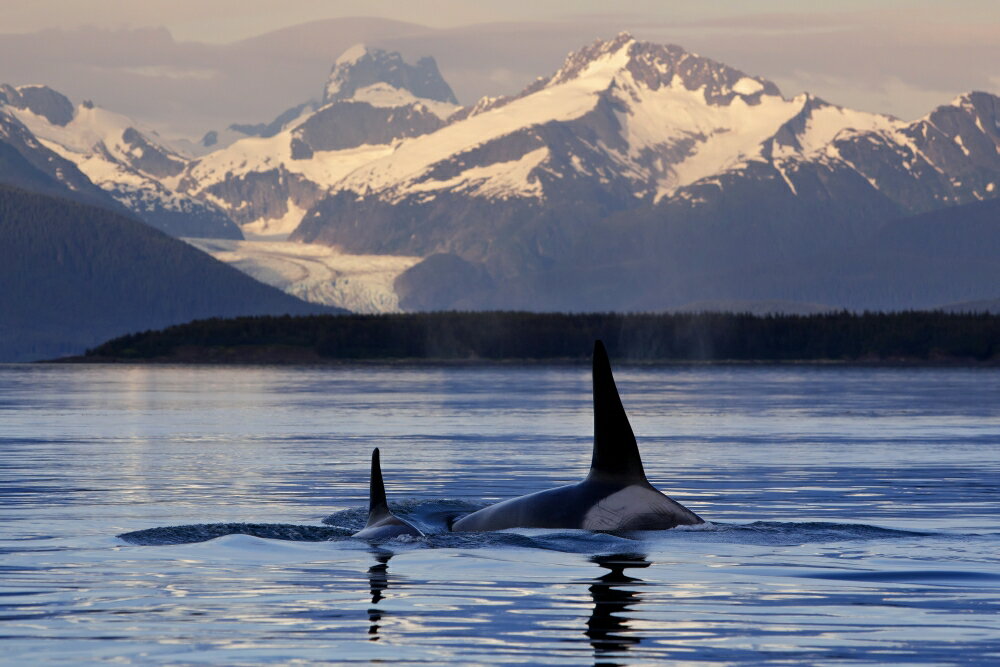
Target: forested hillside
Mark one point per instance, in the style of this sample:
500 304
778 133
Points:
909 337
73 275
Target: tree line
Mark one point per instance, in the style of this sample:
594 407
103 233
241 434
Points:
510 336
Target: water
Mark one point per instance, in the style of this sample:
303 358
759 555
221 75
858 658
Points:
854 517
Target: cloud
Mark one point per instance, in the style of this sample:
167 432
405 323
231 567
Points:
171 72
889 95
854 58
859 59
504 77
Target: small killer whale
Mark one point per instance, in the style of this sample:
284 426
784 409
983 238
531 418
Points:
382 524
614 496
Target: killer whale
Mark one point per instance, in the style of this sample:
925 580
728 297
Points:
615 495
382 524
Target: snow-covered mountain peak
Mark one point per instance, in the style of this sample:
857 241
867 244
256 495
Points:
91 129
372 102
656 119
352 55
127 161
817 123
623 59
969 100
362 74
386 96
40 100
602 55
975 112
362 66
978 103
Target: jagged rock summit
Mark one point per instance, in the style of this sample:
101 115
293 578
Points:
374 97
362 66
642 119
622 123
651 158
660 65
635 176
361 73
372 100
40 100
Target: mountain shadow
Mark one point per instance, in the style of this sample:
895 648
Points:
73 275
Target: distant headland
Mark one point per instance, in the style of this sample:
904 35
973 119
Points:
906 338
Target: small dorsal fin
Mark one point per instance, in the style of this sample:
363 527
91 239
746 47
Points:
377 504
616 454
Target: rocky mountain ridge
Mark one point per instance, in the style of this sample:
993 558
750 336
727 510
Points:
128 164
27 164
660 166
636 175
371 101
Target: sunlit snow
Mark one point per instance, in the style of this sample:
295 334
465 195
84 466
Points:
316 273
258 154
561 102
384 95
500 179
276 229
94 141
747 86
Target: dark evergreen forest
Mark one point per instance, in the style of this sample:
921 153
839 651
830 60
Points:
928 337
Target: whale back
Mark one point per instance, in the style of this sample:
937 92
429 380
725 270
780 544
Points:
615 495
616 453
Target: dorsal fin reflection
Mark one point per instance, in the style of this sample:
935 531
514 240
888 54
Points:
608 627
378 583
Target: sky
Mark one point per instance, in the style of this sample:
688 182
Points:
212 62
229 20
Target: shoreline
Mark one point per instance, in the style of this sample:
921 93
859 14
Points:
507 363
559 339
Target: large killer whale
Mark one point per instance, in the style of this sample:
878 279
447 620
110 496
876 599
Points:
382 524
615 494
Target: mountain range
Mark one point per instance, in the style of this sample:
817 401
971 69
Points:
638 176
79 147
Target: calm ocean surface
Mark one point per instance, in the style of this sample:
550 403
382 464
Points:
854 516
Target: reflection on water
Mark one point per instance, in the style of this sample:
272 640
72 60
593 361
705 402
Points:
608 626
378 581
855 517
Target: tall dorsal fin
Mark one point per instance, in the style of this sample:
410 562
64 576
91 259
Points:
377 504
616 454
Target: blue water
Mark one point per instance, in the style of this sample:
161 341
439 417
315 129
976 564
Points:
854 517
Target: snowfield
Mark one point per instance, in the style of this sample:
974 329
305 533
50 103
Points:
314 273
656 120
